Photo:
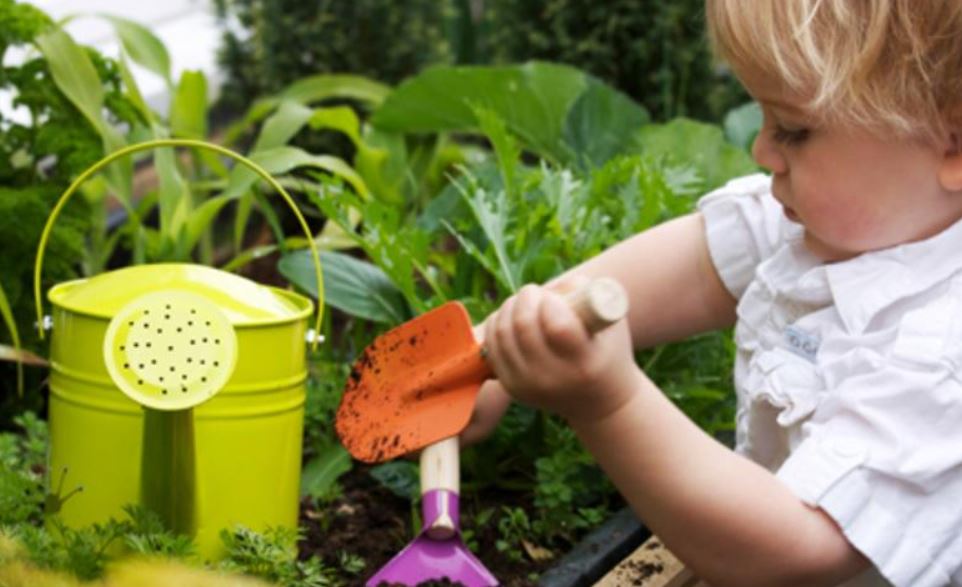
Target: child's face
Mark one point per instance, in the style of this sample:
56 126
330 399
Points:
852 191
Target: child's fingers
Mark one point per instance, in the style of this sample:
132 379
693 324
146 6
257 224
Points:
563 330
499 338
526 325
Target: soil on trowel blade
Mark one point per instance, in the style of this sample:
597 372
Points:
370 522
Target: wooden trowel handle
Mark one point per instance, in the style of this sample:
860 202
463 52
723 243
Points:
599 303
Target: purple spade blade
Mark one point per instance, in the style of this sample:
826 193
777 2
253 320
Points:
426 559
430 558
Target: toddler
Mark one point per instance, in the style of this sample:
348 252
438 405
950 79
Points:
841 269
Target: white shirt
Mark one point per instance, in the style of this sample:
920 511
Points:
849 380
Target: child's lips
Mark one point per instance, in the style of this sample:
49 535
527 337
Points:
790 214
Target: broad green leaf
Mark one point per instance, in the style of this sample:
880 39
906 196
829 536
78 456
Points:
742 124
142 46
188 110
11 324
353 286
601 124
558 111
702 146
320 473
533 99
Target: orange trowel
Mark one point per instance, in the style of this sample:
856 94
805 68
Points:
417 384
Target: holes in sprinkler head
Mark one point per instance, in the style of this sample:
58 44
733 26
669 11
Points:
183 388
140 382
170 348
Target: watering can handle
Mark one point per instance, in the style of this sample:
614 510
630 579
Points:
153 144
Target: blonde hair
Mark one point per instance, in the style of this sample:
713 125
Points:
888 65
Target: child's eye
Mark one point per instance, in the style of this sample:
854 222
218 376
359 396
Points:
790 136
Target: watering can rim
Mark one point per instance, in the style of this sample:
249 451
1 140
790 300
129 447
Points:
303 305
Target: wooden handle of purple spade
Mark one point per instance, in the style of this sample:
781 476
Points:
599 303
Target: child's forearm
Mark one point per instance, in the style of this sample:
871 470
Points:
673 286
730 520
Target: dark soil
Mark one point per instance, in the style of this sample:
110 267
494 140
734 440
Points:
369 521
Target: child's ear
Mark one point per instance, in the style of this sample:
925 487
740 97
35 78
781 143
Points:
950 174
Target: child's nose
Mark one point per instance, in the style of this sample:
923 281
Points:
766 153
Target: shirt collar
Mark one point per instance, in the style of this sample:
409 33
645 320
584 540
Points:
863 286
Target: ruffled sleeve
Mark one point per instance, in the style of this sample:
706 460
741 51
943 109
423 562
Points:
882 453
744 226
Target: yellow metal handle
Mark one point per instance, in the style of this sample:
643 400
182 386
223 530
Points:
153 144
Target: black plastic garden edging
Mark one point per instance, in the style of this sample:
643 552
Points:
598 553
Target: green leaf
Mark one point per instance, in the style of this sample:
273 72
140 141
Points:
742 124
602 124
197 223
350 285
400 477
142 46
174 194
310 90
75 76
188 111
11 324
280 160
547 105
320 473
687 142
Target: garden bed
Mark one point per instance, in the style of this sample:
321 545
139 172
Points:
371 522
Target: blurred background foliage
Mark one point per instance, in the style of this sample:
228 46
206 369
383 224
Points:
653 51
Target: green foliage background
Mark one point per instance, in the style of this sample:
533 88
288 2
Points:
654 51
280 41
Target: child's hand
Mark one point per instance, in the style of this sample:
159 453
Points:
545 357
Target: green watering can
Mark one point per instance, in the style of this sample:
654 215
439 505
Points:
179 387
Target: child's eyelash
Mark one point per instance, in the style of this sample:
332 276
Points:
790 137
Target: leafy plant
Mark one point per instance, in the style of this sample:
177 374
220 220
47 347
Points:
268 556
